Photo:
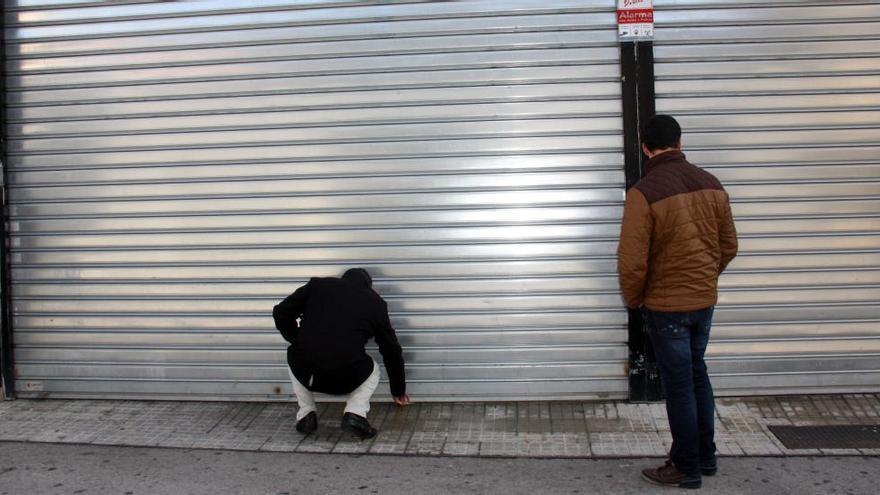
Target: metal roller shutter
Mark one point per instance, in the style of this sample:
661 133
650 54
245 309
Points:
176 168
781 100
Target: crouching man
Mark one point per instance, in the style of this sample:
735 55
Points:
337 316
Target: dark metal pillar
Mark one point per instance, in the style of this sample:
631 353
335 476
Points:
637 75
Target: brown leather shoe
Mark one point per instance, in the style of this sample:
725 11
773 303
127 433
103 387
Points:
668 475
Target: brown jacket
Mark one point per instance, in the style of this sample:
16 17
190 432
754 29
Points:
677 237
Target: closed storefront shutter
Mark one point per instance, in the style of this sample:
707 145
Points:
177 168
781 100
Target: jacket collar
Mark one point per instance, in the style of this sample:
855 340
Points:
663 158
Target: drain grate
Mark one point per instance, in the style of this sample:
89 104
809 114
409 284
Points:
828 437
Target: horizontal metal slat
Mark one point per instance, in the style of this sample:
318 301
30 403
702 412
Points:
291 49
316 118
530 319
804 191
292 202
820 330
512 284
855 29
415 374
593 257
333 98
328 186
765 68
261 357
328 220
270 339
405 149
305 67
781 121
391 31
829 85
240 95
816 244
824 295
325 240
324 17
316 169
321 134
765 51
816 155
462 302
780 138
771 315
721 105
809 209
794 347
770 15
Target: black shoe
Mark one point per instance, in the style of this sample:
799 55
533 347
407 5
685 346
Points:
709 468
358 426
308 424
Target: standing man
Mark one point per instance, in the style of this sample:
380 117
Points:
326 354
676 239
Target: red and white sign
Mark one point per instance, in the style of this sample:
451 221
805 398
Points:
635 19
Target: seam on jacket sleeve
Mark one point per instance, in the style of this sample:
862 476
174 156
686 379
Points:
287 311
634 247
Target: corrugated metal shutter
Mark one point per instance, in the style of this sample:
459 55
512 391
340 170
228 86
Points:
781 100
176 168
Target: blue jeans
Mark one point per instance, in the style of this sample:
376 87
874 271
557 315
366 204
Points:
679 341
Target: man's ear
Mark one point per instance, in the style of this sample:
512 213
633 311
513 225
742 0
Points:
645 150
678 144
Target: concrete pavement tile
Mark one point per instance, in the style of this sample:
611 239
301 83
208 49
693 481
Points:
627 444
637 417
864 413
533 417
426 443
840 452
726 444
329 431
280 425
505 444
396 431
461 449
606 425
757 444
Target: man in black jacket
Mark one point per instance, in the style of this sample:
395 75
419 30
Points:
326 353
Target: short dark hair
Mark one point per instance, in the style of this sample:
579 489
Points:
662 131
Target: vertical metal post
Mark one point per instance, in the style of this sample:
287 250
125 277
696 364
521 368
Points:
7 369
637 76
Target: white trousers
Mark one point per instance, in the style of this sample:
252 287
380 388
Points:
358 401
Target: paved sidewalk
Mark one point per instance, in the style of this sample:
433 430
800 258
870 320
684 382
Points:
507 429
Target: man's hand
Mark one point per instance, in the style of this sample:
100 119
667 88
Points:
402 400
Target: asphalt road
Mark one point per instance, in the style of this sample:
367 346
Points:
36 469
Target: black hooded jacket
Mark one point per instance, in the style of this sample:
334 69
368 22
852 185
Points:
337 318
